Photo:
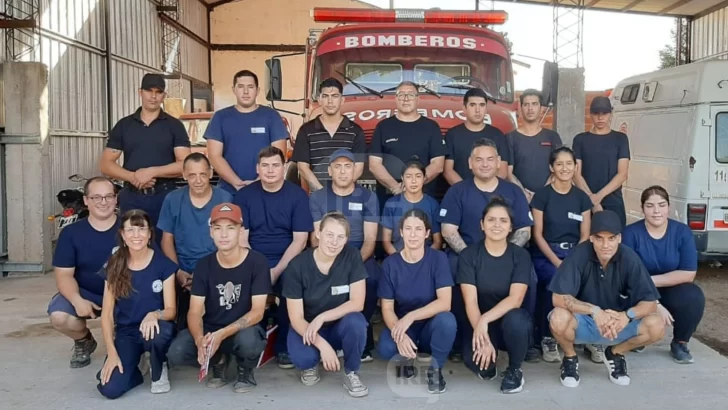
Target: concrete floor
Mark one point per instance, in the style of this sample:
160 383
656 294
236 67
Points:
34 374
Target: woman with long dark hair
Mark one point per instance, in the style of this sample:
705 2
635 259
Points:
561 217
416 293
667 249
412 197
494 275
138 310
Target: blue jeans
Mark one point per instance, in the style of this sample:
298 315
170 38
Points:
587 332
435 335
130 345
545 272
348 334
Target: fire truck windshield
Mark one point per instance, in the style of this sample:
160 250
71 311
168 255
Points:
446 72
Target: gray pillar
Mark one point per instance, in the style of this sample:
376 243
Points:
570 104
28 171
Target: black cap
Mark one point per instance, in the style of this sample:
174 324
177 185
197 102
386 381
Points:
151 81
606 221
600 105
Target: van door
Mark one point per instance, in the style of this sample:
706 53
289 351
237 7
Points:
717 215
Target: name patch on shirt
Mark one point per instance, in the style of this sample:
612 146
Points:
576 217
339 290
257 130
353 206
391 140
546 144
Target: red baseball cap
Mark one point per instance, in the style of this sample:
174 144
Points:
228 211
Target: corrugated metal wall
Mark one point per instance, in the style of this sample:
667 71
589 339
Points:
73 46
710 36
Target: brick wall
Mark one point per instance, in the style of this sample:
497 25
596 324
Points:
549 120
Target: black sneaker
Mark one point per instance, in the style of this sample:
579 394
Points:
246 380
513 381
533 355
82 350
680 353
219 373
366 356
435 382
284 362
406 370
570 371
616 366
490 373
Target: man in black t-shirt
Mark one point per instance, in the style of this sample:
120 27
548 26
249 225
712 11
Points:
603 157
593 290
531 146
401 138
231 287
461 138
154 145
325 291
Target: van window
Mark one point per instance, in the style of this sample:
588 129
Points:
629 94
721 137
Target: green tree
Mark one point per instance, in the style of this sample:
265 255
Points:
668 54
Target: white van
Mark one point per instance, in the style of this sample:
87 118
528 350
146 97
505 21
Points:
677 123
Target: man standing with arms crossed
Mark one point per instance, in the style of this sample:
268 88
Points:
229 292
331 131
531 147
401 138
154 145
236 134
185 222
81 251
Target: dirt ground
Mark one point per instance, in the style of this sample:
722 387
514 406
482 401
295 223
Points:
713 329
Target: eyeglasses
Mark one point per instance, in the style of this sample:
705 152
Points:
136 229
98 198
406 96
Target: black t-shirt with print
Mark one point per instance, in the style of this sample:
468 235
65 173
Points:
228 292
304 280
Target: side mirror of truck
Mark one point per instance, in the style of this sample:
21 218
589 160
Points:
274 80
550 84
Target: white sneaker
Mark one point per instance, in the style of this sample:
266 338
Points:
162 385
145 364
309 377
550 350
596 352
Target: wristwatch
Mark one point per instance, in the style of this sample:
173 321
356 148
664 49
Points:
631 315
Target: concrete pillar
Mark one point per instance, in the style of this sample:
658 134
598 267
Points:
28 170
569 118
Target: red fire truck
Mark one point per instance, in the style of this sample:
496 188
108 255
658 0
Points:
372 50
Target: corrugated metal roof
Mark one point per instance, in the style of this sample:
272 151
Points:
694 8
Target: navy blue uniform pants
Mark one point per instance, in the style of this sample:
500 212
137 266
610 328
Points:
686 304
130 345
434 335
348 334
545 271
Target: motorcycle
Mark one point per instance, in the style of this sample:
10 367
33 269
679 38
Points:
71 200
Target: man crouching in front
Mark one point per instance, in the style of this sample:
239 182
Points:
592 289
228 296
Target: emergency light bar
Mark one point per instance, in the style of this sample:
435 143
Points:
347 15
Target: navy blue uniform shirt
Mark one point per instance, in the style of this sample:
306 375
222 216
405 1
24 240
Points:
82 247
674 251
414 285
464 203
358 207
272 217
